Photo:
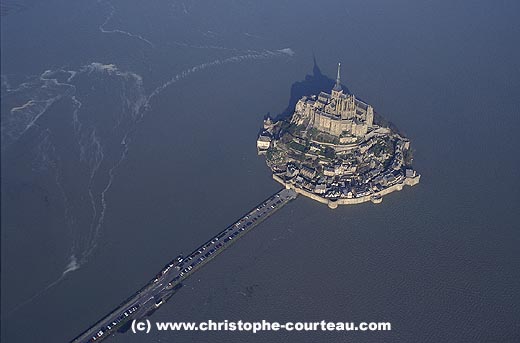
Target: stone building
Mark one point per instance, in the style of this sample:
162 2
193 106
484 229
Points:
263 142
337 113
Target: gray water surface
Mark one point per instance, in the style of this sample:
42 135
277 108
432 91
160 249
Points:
128 137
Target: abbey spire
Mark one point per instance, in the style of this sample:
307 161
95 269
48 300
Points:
337 86
337 91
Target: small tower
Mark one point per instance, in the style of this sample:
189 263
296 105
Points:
337 91
268 123
370 116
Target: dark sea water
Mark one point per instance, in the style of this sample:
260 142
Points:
128 137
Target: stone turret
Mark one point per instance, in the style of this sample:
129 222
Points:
370 116
268 123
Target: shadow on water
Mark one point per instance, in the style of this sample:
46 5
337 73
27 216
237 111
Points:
312 84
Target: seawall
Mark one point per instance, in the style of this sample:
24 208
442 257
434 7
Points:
374 197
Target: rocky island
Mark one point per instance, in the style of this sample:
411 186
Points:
333 150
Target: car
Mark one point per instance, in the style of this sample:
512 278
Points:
221 235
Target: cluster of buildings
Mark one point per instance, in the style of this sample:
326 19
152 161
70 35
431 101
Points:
358 175
332 150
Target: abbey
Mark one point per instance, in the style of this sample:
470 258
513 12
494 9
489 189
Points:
337 114
330 150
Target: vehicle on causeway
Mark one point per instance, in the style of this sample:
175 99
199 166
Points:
169 280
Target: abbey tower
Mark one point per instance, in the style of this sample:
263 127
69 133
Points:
337 113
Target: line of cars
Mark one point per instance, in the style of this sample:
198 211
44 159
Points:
199 255
210 247
99 335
